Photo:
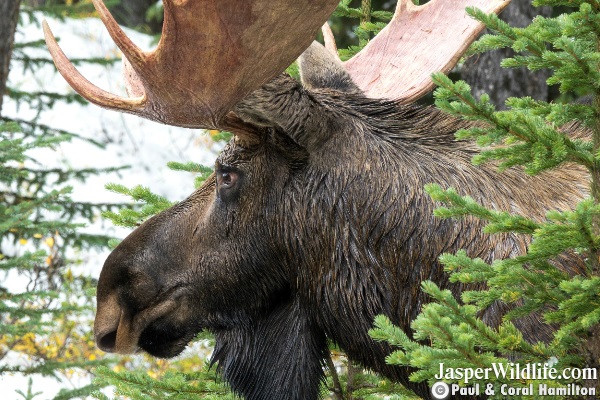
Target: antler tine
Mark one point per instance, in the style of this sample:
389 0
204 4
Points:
329 40
84 87
419 41
403 5
133 53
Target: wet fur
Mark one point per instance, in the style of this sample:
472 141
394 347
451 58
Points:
363 198
330 227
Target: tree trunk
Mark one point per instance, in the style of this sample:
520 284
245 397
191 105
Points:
9 13
132 13
483 71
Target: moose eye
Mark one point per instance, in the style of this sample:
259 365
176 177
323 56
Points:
226 179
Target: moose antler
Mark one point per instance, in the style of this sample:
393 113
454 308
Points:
420 40
210 56
214 53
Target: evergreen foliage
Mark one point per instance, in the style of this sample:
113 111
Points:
45 297
172 385
366 28
532 135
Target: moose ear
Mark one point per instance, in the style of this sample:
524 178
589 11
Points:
319 69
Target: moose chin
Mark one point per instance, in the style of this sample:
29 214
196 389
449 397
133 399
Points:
315 220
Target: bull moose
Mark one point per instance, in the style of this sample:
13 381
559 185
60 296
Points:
315 219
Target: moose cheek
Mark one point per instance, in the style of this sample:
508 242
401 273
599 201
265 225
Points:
228 197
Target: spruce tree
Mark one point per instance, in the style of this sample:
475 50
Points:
46 298
537 136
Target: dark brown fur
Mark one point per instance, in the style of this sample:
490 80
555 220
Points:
326 227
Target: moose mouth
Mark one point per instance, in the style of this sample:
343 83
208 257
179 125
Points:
161 339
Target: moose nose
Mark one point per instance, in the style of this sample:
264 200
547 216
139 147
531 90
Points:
107 322
107 341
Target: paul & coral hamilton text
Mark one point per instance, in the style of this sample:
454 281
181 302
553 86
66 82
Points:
518 372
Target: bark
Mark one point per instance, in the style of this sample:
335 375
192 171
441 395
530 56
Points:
483 71
9 13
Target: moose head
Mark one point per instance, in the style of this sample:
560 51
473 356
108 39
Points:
315 219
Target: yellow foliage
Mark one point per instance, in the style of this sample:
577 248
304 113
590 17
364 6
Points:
81 13
49 241
69 275
62 345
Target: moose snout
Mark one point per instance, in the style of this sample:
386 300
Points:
113 327
107 341
106 323
118 330
121 335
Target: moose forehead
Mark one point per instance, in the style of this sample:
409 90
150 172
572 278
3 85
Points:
272 147
236 155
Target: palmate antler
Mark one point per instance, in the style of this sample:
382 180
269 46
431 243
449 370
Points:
214 53
210 56
420 40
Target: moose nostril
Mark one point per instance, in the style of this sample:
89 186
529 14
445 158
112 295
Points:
107 342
